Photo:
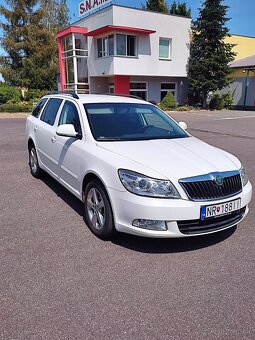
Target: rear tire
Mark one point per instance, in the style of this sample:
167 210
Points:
35 169
97 210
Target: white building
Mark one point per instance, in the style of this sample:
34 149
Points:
124 50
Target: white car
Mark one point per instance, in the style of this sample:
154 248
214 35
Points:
135 169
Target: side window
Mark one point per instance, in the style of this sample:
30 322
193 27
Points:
49 113
39 106
69 115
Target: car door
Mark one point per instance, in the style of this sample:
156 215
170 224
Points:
68 149
45 135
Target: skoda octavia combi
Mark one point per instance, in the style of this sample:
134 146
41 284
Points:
135 169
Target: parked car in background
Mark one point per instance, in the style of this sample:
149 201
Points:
135 169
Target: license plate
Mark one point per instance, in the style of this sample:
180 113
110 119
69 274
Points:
220 209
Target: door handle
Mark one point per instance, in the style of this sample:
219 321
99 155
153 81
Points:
35 128
53 139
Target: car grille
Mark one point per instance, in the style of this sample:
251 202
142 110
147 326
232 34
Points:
194 227
208 189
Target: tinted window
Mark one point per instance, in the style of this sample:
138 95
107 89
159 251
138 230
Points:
126 121
39 106
69 115
51 110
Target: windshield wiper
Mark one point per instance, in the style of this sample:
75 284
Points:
108 139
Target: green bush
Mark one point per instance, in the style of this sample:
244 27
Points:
216 102
34 95
16 107
168 102
228 100
184 108
9 93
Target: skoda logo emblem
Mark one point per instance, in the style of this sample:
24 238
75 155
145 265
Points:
219 180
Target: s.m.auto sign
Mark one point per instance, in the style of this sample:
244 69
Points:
85 7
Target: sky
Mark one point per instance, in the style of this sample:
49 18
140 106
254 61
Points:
242 12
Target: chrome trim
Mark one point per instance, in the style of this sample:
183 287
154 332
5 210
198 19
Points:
209 177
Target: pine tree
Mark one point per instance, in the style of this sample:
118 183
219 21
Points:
180 9
156 5
208 68
30 44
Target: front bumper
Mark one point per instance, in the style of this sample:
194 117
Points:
127 207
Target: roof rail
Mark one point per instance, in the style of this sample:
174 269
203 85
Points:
71 93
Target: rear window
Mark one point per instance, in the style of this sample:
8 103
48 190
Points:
38 108
50 111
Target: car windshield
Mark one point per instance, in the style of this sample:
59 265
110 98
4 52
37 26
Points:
128 121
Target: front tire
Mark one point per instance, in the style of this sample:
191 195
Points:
97 210
33 163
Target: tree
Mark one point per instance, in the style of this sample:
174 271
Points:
30 43
210 56
180 9
156 5
55 14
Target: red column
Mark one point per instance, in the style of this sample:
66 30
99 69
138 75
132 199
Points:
62 69
121 85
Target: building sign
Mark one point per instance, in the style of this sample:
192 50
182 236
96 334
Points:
87 6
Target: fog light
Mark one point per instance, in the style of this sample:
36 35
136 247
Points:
150 224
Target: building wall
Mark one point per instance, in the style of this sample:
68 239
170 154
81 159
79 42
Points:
166 26
146 66
242 87
147 61
244 46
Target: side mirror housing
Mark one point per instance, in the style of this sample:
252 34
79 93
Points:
183 125
66 130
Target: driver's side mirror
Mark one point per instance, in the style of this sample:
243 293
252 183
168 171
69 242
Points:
66 130
183 125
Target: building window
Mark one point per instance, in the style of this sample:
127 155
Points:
68 43
116 44
111 87
69 70
111 44
165 48
125 45
102 47
167 87
139 89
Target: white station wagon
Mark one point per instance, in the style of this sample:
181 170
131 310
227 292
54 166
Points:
135 169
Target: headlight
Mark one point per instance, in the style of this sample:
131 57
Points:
243 176
145 186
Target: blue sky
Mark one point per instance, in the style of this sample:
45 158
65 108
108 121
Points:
242 12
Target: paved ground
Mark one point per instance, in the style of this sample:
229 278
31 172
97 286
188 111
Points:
58 281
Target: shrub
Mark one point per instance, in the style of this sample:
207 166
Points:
34 94
9 93
228 100
168 102
16 107
216 102
184 108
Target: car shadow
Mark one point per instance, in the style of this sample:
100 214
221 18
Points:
138 243
64 194
171 245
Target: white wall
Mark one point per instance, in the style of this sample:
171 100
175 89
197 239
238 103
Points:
166 26
147 62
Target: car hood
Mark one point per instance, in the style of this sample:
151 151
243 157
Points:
172 158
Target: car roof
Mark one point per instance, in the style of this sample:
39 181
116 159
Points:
98 98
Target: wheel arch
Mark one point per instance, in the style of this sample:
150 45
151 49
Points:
93 176
30 143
